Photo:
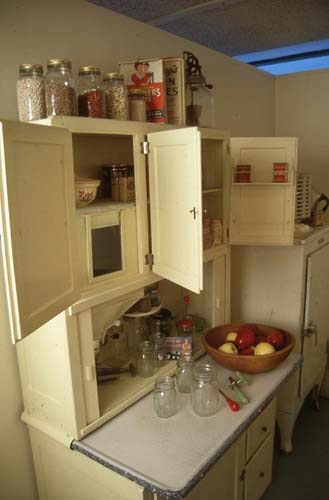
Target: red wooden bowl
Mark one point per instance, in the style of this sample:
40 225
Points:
214 337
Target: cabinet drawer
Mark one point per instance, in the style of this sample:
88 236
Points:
260 429
258 474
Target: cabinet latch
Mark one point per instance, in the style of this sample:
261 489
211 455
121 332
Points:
145 147
311 330
149 259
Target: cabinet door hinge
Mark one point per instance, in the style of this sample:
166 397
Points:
149 259
145 147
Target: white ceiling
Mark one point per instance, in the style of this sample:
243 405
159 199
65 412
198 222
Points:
233 27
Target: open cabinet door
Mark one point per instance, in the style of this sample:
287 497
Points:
176 206
37 223
262 210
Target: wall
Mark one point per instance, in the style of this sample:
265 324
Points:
35 30
302 110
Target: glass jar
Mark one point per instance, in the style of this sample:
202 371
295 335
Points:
199 102
137 105
205 398
158 340
30 90
60 88
145 359
115 182
127 184
185 327
164 397
184 374
116 101
90 92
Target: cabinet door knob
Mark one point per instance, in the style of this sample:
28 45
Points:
261 474
264 428
193 211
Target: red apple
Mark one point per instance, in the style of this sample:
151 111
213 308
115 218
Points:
260 338
248 351
246 336
275 338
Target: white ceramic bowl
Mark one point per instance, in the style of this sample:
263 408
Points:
85 191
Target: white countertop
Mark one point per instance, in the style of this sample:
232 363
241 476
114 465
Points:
170 455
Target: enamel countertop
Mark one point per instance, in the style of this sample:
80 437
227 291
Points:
169 456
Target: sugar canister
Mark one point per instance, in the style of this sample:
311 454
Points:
137 105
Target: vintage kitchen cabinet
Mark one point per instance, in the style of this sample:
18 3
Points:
242 473
288 287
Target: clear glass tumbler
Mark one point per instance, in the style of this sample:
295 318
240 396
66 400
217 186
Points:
164 397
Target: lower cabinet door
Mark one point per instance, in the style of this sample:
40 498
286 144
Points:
258 474
219 483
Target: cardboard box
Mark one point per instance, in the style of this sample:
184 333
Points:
148 74
175 89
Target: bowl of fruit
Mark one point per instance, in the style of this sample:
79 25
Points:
248 347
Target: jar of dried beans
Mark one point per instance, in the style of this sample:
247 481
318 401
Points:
90 92
116 102
60 88
30 89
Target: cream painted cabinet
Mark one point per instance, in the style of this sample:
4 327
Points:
242 473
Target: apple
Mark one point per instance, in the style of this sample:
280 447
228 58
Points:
275 338
263 348
248 351
231 336
246 336
228 348
260 338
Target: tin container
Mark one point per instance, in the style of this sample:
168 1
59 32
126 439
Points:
280 172
243 173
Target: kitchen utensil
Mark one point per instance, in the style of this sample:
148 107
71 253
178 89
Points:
232 404
319 209
234 384
214 337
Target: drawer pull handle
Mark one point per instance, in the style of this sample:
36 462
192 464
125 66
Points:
265 428
243 475
261 474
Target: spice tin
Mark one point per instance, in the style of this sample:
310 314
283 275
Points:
280 172
243 173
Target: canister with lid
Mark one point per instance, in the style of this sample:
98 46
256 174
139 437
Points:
137 105
116 102
145 359
60 88
90 92
30 89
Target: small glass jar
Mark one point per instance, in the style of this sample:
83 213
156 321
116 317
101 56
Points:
199 102
137 105
145 359
30 90
205 398
115 182
60 88
164 397
184 374
90 92
185 327
116 101
158 340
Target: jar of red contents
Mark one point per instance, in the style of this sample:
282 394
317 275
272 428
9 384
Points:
243 173
90 93
280 172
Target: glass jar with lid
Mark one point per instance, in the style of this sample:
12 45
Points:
204 390
30 90
158 340
60 88
115 91
137 105
184 374
90 92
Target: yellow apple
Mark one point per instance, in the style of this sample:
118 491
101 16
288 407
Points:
231 336
263 348
228 348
